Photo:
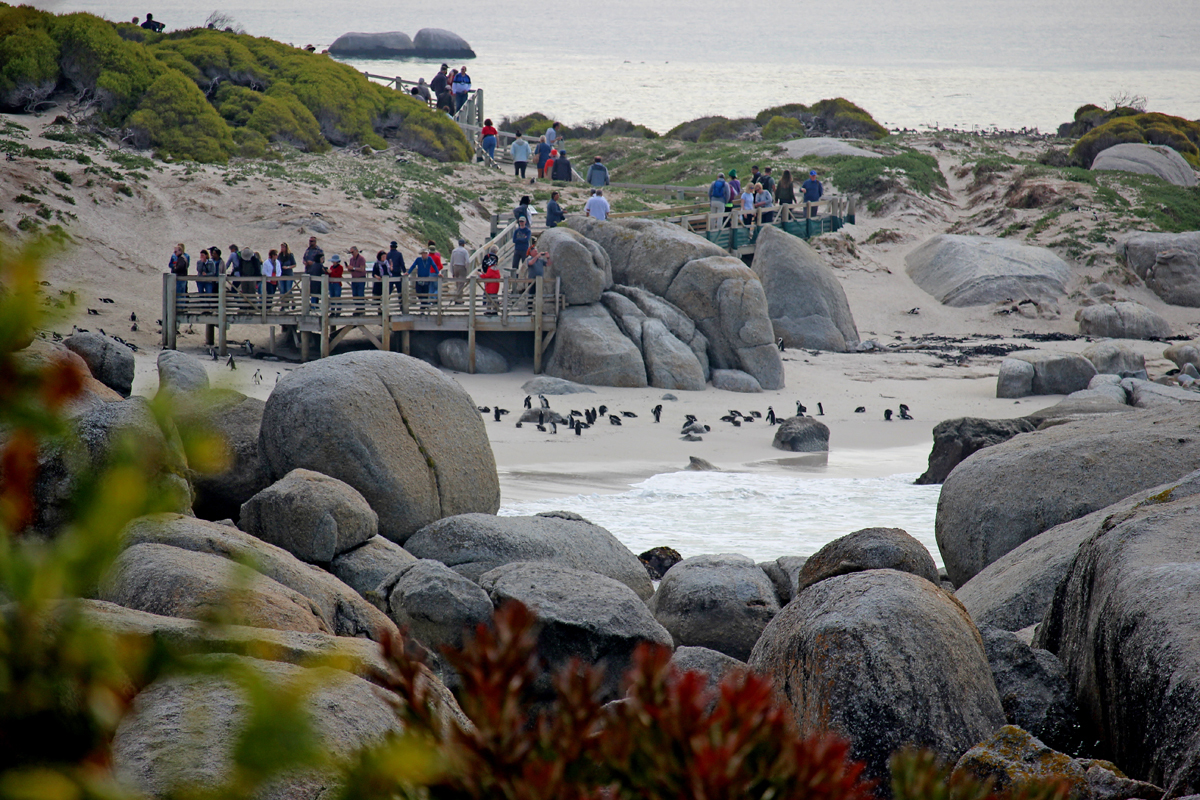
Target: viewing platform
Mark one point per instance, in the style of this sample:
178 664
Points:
387 305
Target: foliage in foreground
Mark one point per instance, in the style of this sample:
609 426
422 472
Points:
304 100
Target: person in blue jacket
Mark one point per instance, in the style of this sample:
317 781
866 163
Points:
521 239
424 267
812 191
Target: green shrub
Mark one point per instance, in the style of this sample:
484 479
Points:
431 216
841 116
95 59
872 177
215 57
176 120
277 116
782 128
793 110
61 176
28 64
1178 133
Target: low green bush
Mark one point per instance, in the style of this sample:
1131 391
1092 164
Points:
177 121
118 73
839 115
873 177
28 58
431 216
782 128
1180 134
276 116
796 111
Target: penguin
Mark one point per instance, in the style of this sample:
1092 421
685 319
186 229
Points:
248 348
613 419
579 430
212 351
554 427
528 401
800 409
133 316
737 423
541 427
502 411
496 413
231 363
780 345
771 416
728 418
277 374
518 424
657 412
93 312
887 415
690 419
758 414
820 410
542 399
860 410
904 412
629 415
483 409
133 327
541 417
603 410
733 412
257 377
107 300
575 413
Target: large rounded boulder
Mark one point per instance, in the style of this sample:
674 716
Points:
589 348
179 372
237 419
109 361
407 437
961 270
807 305
726 301
473 544
580 264
388 44
869 548
887 660
721 602
645 253
441 43
1126 624
1010 492
1146 159
1122 321
1169 263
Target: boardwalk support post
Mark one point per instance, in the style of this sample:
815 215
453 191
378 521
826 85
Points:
385 316
537 324
471 330
170 322
222 321
324 318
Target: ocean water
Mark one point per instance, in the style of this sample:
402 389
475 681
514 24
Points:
971 64
762 516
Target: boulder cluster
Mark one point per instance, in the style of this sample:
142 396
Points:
366 504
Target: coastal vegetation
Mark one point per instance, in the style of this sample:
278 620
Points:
1098 129
207 95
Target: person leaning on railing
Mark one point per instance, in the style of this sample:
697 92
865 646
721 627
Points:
491 281
207 268
287 268
178 265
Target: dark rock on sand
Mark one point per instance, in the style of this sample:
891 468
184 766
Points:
802 435
956 439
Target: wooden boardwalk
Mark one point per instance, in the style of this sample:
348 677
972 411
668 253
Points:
388 305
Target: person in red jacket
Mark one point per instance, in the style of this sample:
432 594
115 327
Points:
491 281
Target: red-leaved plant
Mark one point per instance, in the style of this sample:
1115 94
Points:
670 737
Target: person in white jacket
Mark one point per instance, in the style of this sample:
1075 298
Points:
520 155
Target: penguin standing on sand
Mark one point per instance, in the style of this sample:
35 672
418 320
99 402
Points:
771 416
657 412
904 412
820 410
887 415
545 403
528 401
801 409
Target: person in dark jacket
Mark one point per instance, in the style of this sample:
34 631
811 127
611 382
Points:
562 167
554 212
812 190
522 236
785 193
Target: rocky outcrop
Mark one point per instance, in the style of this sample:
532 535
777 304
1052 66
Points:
109 361
721 602
543 384
1033 689
182 731
962 270
1122 321
1183 353
407 437
784 572
807 305
237 419
1016 762
726 301
580 614
390 44
885 659
1125 622
1057 373
473 544
1146 159
454 354
1114 358
1010 492
1149 394
1015 590
734 380
670 364
314 517
63 463
956 439
869 548
644 253
802 435
709 662
677 322
589 348
342 610
436 604
43 355
1169 263
179 372
579 263
1014 379
369 568
441 43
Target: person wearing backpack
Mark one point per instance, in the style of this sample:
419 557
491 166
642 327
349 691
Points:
250 266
